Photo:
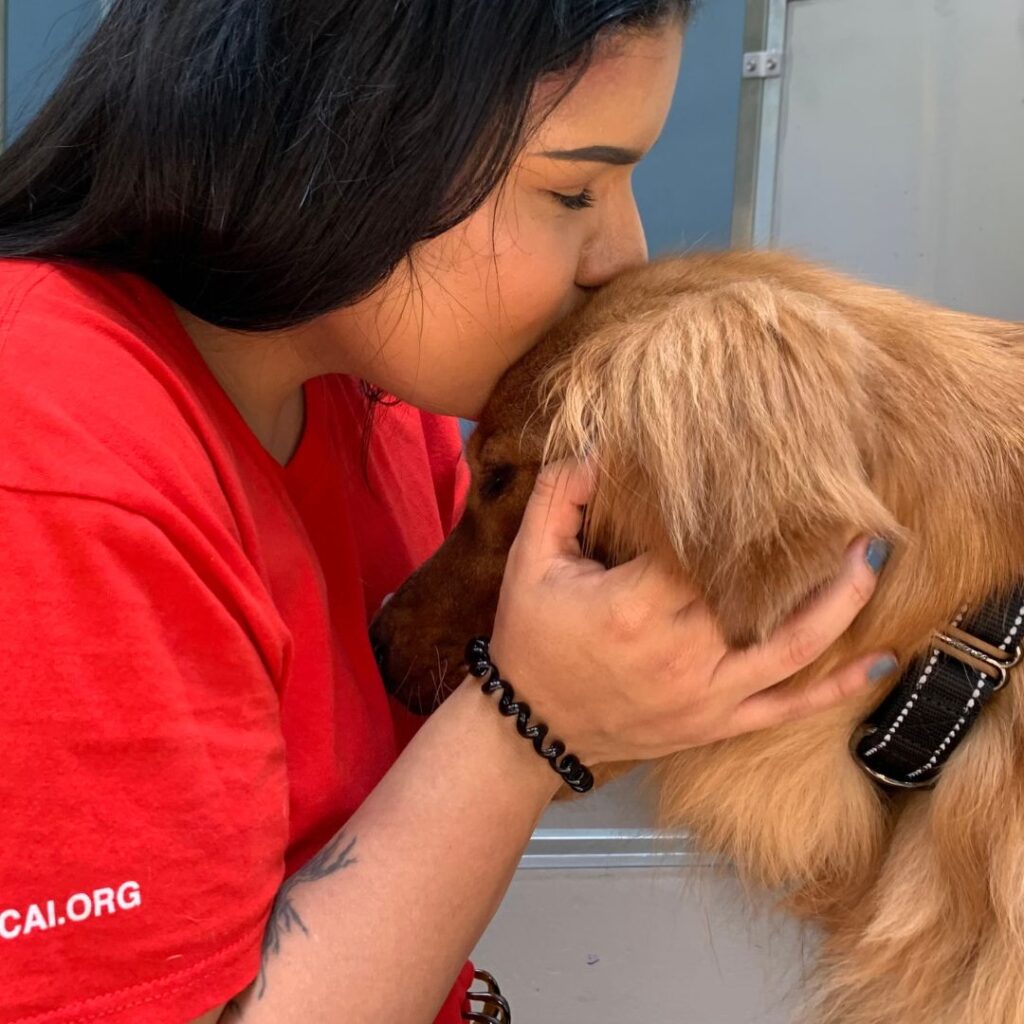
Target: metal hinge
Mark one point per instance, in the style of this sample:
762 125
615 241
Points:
762 64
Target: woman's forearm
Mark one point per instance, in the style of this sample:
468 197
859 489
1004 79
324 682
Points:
379 923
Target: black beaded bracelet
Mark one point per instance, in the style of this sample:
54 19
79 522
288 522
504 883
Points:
575 774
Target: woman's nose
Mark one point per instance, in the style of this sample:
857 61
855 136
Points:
618 247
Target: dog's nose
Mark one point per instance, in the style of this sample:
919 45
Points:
380 653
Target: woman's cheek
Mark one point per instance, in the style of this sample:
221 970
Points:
542 288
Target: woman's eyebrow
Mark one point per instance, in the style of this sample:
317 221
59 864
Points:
596 154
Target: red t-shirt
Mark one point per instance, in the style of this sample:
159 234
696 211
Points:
189 707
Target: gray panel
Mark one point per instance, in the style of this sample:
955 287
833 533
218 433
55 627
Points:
42 37
902 146
672 946
684 188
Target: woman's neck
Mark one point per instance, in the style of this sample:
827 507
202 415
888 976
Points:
262 374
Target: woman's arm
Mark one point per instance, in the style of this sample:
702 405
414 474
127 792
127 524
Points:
379 923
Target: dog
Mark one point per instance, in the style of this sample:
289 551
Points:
749 414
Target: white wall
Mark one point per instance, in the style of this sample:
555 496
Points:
902 150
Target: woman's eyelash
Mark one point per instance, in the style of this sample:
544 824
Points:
580 201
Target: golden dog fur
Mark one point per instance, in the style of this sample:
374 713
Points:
750 414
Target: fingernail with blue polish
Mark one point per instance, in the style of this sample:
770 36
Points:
877 554
882 668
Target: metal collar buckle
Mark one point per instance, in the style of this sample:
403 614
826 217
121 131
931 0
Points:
866 730
968 649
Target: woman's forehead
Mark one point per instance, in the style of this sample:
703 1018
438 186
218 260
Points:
622 100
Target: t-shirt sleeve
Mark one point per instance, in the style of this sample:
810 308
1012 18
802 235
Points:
143 784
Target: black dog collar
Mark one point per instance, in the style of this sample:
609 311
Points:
914 731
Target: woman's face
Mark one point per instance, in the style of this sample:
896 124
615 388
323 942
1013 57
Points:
565 222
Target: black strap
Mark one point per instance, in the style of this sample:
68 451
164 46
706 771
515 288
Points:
914 731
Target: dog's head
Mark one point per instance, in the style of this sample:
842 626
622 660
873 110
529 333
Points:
748 415
729 406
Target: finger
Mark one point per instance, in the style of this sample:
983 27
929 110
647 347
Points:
791 702
655 580
554 512
806 636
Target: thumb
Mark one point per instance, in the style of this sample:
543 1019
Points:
554 513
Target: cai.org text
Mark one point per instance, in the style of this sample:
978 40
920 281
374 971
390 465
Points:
16 922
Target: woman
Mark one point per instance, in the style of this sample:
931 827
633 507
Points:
230 213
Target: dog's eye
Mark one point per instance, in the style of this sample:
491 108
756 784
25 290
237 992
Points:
496 481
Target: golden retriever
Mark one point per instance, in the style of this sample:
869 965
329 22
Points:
750 414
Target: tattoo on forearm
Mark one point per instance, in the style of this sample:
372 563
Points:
337 854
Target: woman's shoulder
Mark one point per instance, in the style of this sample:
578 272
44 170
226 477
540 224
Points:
101 395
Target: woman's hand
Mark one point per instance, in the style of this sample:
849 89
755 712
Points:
628 663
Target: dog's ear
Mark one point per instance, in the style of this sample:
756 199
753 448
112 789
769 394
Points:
735 427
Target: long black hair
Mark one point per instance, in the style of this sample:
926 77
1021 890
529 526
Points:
266 161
